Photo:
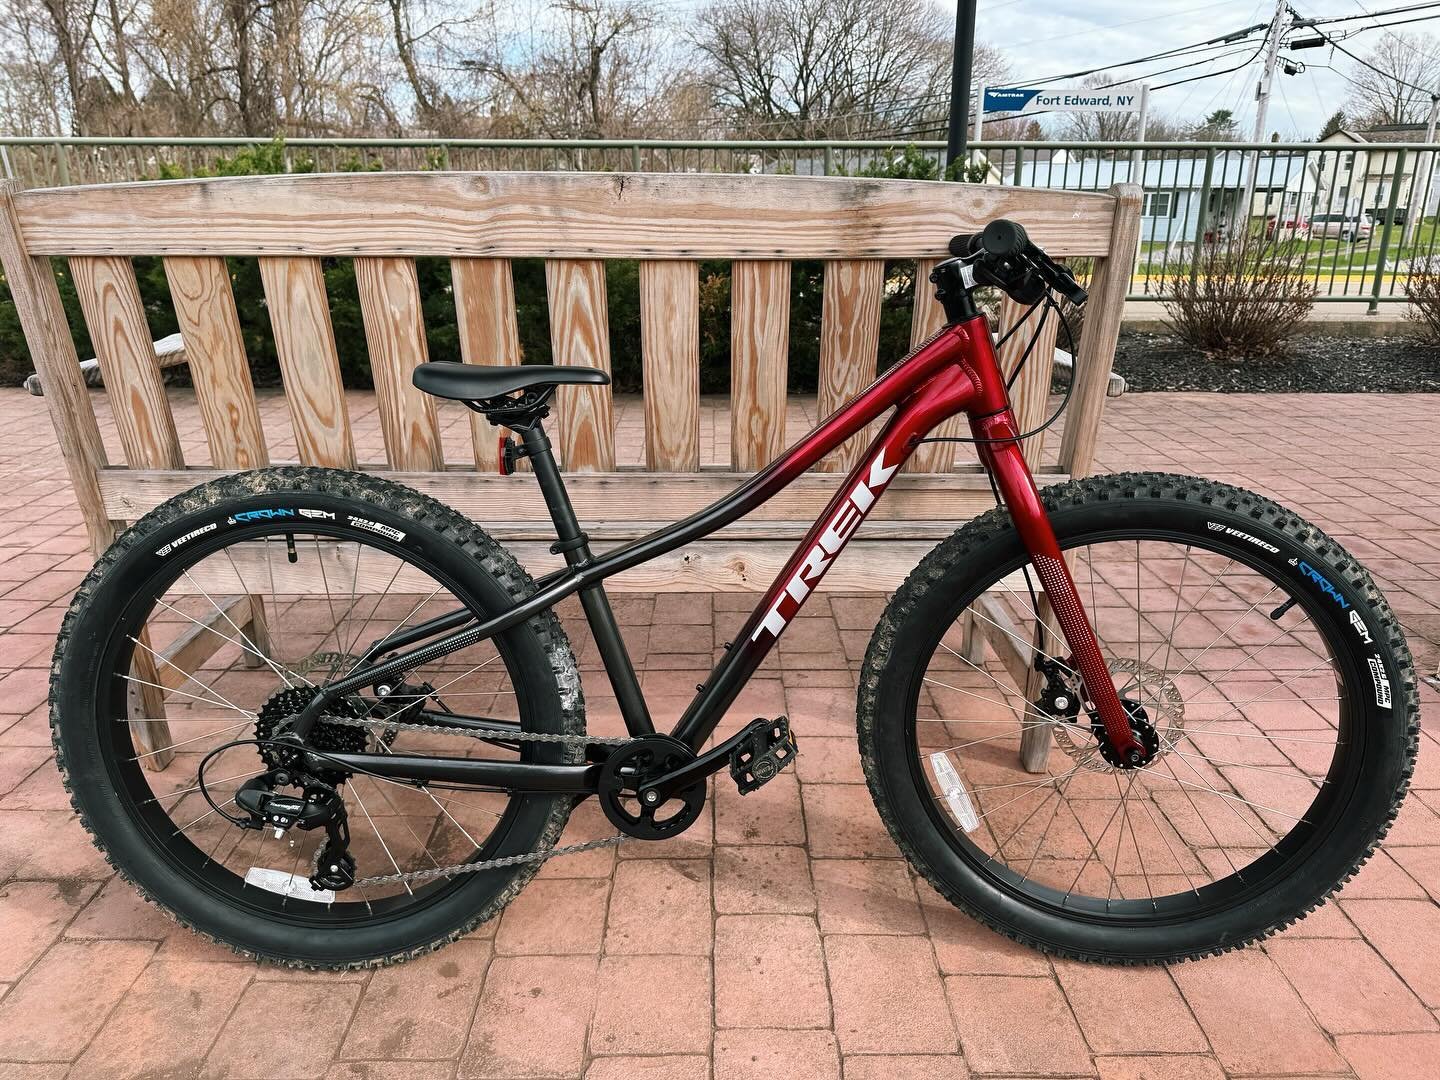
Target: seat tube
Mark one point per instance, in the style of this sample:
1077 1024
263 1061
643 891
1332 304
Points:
574 546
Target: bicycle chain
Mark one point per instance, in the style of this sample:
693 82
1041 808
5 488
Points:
509 735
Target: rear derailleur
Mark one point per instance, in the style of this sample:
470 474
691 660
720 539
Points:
318 806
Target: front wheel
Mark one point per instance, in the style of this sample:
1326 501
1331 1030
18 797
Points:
1257 659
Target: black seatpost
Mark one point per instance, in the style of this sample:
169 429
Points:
574 546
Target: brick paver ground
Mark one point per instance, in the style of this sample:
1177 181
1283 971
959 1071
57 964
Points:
781 937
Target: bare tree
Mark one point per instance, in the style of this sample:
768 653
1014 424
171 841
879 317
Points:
1399 91
598 68
809 68
1102 126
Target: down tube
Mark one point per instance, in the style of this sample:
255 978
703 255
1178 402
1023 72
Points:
944 395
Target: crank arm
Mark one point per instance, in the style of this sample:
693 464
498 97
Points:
712 761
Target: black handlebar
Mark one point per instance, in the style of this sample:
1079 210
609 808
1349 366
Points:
1005 257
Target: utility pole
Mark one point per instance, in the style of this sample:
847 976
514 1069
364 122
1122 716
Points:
1424 166
1278 25
960 71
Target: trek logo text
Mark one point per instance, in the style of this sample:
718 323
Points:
832 541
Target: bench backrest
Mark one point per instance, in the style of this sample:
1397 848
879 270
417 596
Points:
574 222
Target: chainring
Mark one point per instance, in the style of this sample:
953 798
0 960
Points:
638 762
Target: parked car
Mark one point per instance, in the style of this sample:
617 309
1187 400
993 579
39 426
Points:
1342 226
1287 227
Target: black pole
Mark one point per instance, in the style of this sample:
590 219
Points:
960 80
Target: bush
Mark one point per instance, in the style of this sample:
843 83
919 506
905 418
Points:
1244 303
1422 287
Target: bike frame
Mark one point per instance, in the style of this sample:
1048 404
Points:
954 371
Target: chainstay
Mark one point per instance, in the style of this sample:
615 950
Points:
509 735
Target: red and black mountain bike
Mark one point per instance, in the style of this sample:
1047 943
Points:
1210 726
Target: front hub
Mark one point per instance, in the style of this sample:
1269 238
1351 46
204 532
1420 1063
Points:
1140 727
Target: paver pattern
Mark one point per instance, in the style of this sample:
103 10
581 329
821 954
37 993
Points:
781 936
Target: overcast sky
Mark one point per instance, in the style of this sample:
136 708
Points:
1041 37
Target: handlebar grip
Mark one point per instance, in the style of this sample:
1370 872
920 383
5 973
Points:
1000 239
963 244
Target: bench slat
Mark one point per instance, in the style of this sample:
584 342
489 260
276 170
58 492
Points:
395 336
309 365
1030 396
580 334
670 348
115 314
1108 286
630 495
215 353
849 345
550 215
759 361
489 334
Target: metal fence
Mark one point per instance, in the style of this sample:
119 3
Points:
1356 217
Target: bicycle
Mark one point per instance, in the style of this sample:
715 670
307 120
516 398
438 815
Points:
1228 697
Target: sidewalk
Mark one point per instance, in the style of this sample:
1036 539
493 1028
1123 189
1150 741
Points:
782 937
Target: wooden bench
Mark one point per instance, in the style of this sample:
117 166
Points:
575 222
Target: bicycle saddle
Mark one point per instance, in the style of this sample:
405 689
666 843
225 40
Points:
472 382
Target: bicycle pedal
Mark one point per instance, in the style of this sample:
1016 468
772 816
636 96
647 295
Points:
768 749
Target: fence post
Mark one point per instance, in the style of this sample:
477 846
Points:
1202 219
634 157
1374 305
829 159
62 162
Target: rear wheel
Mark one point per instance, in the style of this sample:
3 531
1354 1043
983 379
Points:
1257 659
219 616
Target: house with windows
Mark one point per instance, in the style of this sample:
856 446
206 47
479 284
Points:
1287 185
1360 176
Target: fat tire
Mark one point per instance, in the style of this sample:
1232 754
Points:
946 580
543 656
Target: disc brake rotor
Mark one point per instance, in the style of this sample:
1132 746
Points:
1164 706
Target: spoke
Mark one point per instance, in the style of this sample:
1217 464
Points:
1039 716
438 804
1017 798
1226 632
1166 837
386 847
196 787
1233 798
425 848
1060 790
187 742
220 699
202 817
1273 770
193 697
1187 733
354 642
248 646
400 625
1124 807
464 674
1174 621
1215 580
1094 847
